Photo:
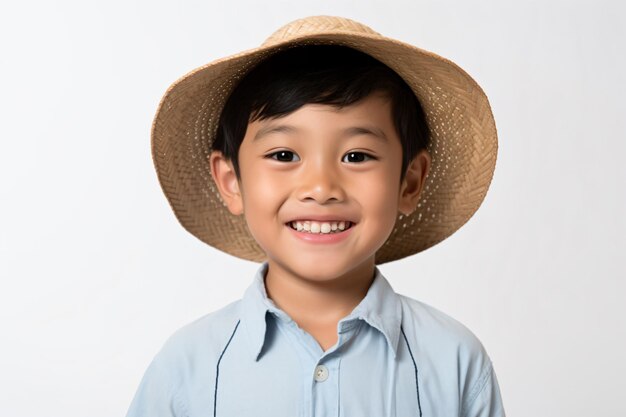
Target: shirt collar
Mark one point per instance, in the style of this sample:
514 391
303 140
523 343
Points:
380 308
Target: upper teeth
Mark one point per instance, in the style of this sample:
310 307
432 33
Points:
319 227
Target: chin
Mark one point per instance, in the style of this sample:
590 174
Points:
321 269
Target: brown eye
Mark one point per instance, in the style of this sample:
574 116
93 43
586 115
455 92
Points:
283 156
357 157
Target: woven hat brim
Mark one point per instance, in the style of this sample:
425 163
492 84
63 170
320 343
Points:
463 145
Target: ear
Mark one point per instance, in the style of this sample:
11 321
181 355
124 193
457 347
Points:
413 183
223 174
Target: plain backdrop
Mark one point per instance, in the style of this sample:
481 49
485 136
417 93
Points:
96 272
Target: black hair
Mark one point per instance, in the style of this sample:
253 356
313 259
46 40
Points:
318 74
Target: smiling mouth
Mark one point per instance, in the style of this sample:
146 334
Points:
322 228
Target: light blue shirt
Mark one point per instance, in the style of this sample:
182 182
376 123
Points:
395 356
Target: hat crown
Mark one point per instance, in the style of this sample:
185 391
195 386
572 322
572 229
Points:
317 24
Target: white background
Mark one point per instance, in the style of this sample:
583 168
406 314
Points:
96 272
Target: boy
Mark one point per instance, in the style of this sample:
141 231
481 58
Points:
325 152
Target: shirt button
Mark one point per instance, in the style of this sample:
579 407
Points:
321 373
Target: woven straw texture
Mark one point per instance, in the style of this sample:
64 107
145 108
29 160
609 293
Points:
463 144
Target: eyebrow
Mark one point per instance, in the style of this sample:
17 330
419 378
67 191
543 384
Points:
350 131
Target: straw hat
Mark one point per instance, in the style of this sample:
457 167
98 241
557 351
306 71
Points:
463 144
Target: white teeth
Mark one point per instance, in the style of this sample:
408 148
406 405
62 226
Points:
319 227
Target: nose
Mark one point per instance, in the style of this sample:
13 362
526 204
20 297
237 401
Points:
321 182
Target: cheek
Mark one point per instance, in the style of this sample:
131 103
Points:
381 201
262 194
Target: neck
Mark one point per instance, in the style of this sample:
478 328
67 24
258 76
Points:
317 301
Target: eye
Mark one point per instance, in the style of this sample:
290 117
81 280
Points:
356 157
283 156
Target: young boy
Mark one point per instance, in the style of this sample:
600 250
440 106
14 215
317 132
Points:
328 150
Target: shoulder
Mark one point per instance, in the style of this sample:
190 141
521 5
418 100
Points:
452 349
444 340
186 359
199 342
429 323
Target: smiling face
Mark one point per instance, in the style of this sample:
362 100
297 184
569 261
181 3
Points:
327 169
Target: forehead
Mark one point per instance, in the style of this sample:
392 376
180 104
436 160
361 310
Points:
370 116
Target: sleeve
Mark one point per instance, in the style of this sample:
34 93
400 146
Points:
484 399
157 395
